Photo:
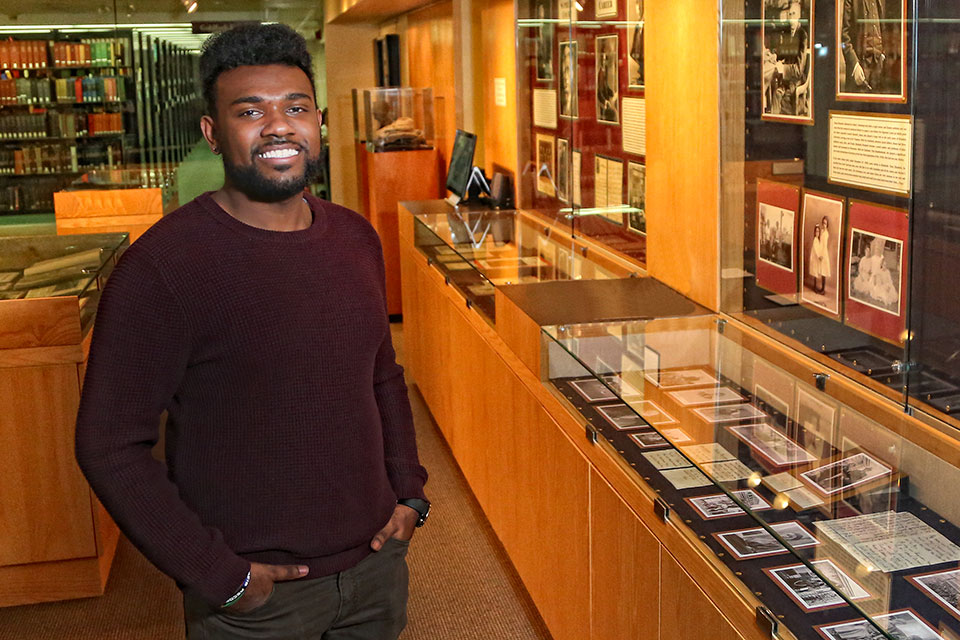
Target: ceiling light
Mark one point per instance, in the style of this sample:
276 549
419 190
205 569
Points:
192 7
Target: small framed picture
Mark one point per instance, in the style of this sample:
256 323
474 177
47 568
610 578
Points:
649 440
621 416
678 378
900 624
635 24
845 474
652 413
708 395
544 18
592 390
730 413
772 445
608 79
808 590
569 100
942 586
815 423
757 542
719 505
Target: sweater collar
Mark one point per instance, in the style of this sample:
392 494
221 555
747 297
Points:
313 231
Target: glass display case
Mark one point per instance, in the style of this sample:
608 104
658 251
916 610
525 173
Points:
582 117
824 507
393 118
840 200
478 251
46 267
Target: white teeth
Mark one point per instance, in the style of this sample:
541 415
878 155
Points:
279 153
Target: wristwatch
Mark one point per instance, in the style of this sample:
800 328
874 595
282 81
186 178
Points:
420 506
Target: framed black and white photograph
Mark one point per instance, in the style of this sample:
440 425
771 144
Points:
635 24
730 413
900 624
772 445
652 413
776 236
608 79
845 474
649 440
621 416
546 165
637 197
592 390
678 378
569 100
544 17
871 51
815 422
942 586
787 94
808 590
719 505
822 232
874 271
757 542
620 386
708 395
563 170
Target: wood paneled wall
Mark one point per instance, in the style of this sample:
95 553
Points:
683 146
499 60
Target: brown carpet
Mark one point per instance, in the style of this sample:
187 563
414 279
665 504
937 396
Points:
463 587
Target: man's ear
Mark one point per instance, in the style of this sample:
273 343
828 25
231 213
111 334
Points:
209 129
319 117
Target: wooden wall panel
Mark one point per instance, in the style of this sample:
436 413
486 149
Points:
45 501
497 27
428 40
683 146
624 569
685 611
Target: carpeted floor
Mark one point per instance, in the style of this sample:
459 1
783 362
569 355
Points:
462 584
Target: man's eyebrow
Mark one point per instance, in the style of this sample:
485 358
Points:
256 99
245 99
299 96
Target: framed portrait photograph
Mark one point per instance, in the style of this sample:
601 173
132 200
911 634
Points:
606 8
563 170
778 206
637 197
546 166
877 258
871 53
757 542
543 13
849 472
709 395
677 378
822 232
592 390
719 505
772 445
569 99
649 440
786 29
635 25
621 416
808 589
900 624
815 423
608 78
942 586
730 413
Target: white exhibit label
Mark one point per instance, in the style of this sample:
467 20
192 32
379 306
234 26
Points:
500 92
606 9
871 151
635 126
576 179
544 108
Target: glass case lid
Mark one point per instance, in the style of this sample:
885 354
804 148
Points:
814 502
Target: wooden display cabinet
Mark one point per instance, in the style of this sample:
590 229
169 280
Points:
56 540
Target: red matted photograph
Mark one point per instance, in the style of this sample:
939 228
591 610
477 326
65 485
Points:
812 593
777 208
821 229
876 300
943 587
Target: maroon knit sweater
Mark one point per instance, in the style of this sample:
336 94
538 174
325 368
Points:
289 434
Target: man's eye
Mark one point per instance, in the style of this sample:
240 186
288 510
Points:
298 109
249 113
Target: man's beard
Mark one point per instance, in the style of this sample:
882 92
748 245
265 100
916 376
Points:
258 187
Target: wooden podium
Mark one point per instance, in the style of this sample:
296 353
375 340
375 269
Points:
387 178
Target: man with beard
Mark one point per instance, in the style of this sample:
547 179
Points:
255 316
790 68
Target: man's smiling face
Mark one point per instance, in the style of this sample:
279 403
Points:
268 129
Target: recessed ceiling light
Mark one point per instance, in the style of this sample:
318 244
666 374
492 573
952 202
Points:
192 7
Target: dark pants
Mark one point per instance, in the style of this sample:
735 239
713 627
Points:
366 602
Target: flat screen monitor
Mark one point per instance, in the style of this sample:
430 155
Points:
461 163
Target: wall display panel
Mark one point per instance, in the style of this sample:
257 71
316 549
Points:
596 53
845 103
841 523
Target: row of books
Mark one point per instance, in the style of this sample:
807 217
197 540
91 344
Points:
33 195
44 91
41 158
36 126
41 54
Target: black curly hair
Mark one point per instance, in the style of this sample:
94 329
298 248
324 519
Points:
250 45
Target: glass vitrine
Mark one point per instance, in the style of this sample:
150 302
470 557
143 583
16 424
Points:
825 507
478 251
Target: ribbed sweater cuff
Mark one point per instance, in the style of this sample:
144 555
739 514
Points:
407 485
225 577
